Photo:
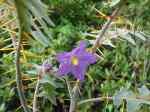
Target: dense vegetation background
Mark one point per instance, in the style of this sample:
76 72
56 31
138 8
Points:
127 65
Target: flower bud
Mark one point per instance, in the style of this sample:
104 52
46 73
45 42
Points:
46 67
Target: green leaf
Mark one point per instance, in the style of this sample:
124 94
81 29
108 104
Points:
144 91
50 96
133 106
40 37
109 43
48 79
128 38
118 97
133 103
39 10
139 35
28 9
52 99
2 107
24 15
114 2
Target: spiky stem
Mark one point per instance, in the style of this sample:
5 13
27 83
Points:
18 69
104 29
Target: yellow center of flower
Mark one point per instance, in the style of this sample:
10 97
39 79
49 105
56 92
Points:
74 60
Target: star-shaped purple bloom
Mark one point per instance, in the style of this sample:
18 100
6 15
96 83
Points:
76 61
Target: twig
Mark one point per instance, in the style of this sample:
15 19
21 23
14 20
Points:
35 95
18 70
104 29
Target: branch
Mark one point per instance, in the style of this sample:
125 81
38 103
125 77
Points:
105 27
18 70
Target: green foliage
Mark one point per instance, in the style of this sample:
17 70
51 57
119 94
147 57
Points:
133 102
125 61
29 9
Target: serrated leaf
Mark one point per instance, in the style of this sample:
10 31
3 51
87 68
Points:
139 35
128 38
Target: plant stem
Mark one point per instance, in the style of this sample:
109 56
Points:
68 86
18 69
105 27
74 97
35 96
18 78
136 99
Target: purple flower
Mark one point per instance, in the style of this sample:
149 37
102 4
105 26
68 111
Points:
76 61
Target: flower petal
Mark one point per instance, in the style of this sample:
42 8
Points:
63 57
79 71
82 44
78 50
64 69
88 57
